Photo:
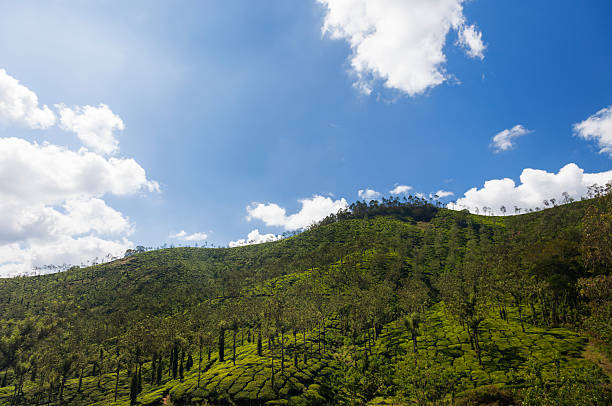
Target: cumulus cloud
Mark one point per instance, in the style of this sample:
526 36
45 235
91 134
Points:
95 126
52 174
52 207
471 39
400 189
368 194
19 105
313 209
535 187
28 220
400 43
254 237
182 235
504 140
51 197
598 127
34 234
443 193
18 258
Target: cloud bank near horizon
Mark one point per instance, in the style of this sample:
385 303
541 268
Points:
51 197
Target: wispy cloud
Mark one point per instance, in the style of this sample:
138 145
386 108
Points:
400 189
368 194
504 140
182 235
597 127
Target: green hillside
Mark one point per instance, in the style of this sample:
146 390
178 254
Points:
387 303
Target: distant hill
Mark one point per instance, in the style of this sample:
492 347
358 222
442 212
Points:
390 302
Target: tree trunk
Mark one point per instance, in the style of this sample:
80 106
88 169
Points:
199 363
61 392
470 336
271 349
222 345
181 368
282 353
324 346
305 348
259 345
153 368
80 380
234 348
100 367
117 378
477 345
139 377
319 337
175 361
374 328
272 377
542 311
159 369
295 349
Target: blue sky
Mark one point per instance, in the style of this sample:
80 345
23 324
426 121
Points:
230 104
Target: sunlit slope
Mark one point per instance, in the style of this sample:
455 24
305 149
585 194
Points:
333 358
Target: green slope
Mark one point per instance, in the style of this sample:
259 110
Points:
337 287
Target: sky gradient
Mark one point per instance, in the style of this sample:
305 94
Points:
204 121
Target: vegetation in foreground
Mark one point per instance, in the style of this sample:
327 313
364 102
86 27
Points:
388 303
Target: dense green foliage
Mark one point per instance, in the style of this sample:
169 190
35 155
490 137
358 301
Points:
388 302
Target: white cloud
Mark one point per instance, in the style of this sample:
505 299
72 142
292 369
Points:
18 259
19 105
399 42
368 194
400 189
313 209
471 39
503 141
254 237
535 187
51 174
52 207
34 234
51 197
597 127
443 193
182 235
29 220
95 126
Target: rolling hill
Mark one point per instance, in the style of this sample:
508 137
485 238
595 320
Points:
387 303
